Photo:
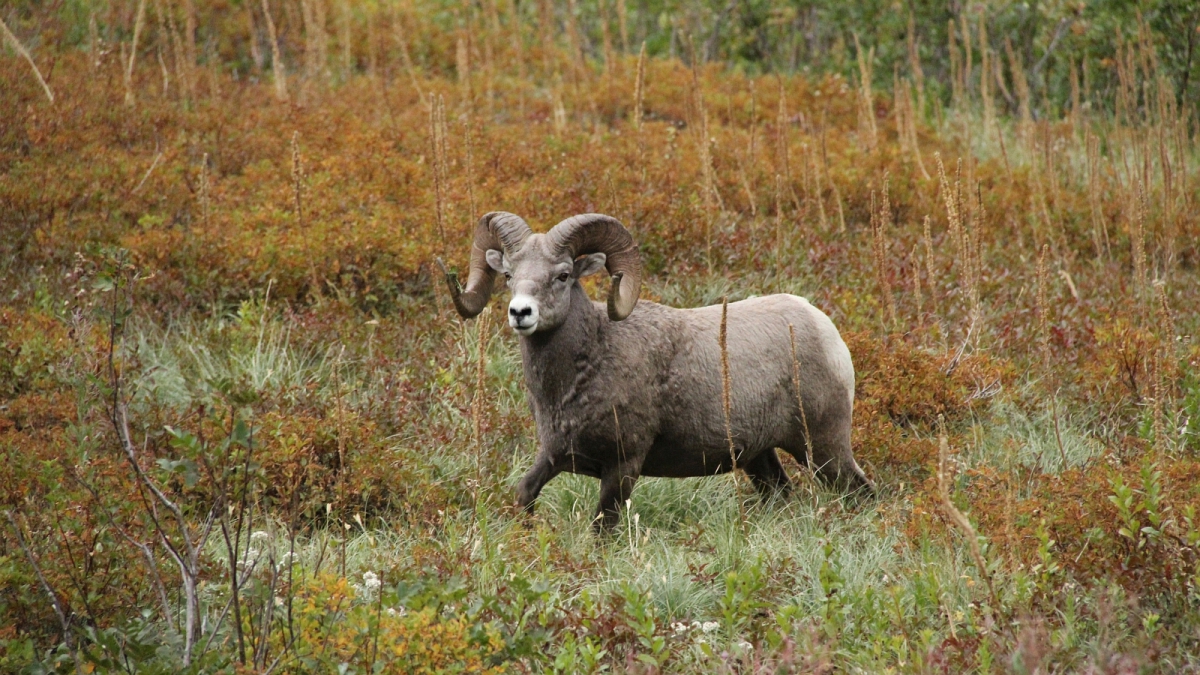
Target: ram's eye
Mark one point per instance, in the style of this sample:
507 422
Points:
564 276
508 275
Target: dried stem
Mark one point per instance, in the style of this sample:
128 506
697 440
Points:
54 602
958 518
726 399
204 192
20 49
278 72
133 49
866 101
437 135
881 222
468 127
808 448
477 402
297 178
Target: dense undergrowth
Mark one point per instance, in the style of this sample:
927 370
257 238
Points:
243 429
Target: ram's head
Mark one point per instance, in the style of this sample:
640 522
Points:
541 269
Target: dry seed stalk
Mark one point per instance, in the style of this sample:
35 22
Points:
462 66
1164 365
866 109
778 221
913 142
985 74
437 136
837 195
137 31
914 64
898 110
915 263
749 157
1099 229
1022 87
606 40
477 404
405 56
808 449
881 221
932 278
1003 150
622 20
297 176
343 470
782 163
639 94
164 37
961 235
1139 235
204 191
1076 113
467 128
966 72
820 195
956 95
712 198
278 72
957 517
726 401
20 49
1042 311
372 46
639 90
188 74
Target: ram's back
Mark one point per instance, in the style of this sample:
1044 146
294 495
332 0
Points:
763 403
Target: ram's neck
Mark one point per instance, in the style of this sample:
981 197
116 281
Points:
557 362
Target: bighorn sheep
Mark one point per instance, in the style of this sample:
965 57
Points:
618 393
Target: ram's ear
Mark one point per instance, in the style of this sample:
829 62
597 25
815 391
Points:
495 260
589 264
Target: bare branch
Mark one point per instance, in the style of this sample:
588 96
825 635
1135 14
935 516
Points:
58 609
1063 25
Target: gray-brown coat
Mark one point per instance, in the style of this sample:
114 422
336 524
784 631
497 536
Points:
620 391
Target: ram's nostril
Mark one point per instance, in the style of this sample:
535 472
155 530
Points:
524 311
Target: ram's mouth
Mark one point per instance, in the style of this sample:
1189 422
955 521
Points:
525 329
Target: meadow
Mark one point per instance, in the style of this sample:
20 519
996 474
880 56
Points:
243 429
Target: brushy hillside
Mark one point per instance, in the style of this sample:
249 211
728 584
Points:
243 429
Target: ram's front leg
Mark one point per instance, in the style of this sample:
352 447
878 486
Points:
535 479
616 484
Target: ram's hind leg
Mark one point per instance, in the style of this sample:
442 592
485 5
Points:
833 460
768 475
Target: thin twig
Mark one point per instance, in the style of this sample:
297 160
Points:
153 164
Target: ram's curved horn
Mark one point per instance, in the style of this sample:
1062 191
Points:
597 233
497 230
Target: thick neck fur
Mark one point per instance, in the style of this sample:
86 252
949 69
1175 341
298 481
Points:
558 362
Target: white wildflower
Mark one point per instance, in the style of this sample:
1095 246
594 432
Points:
679 628
744 646
709 626
278 601
397 611
369 587
259 536
250 558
